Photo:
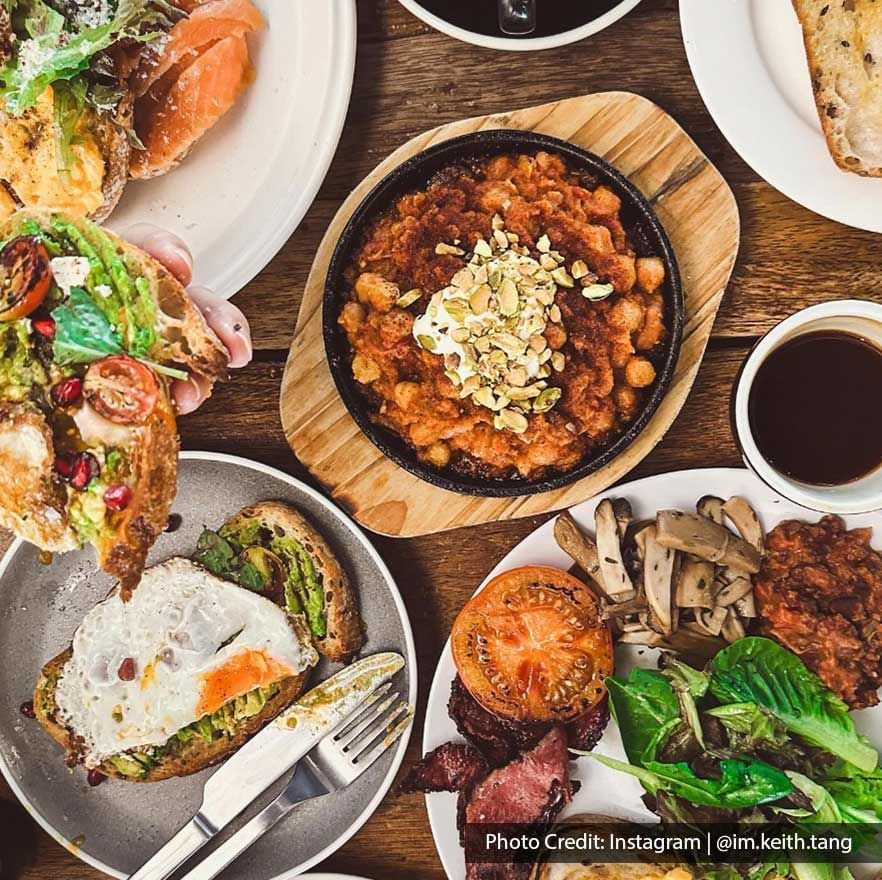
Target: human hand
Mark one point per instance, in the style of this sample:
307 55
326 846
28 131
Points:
227 321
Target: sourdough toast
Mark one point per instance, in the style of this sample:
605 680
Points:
843 42
180 757
339 635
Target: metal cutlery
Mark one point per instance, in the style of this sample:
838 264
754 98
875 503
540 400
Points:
327 708
337 761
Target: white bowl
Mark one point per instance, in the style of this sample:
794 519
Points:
858 317
520 44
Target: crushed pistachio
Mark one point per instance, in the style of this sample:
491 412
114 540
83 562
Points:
489 323
408 299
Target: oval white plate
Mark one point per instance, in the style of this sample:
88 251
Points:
42 606
520 44
748 60
605 791
242 191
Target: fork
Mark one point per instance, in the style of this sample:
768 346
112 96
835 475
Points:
336 762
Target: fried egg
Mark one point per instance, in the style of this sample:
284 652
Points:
185 644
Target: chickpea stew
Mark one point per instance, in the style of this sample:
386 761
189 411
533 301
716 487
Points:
501 320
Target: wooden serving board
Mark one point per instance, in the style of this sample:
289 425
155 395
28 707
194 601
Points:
700 216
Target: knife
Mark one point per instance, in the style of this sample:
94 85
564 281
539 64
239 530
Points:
270 754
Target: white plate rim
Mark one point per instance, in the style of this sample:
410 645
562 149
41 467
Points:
521 45
385 785
437 806
329 136
742 89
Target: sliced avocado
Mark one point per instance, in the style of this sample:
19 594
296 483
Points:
185 734
242 533
127 766
146 761
304 582
267 564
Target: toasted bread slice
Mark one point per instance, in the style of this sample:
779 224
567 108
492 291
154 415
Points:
117 150
187 758
344 631
124 542
843 41
34 501
29 161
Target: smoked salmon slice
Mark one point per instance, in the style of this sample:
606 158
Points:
172 118
207 23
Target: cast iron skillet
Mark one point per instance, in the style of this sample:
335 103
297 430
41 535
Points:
648 238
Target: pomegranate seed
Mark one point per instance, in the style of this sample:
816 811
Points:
85 470
67 392
174 522
118 496
27 709
45 327
64 465
95 777
126 671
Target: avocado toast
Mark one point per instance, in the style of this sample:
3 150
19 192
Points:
267 555
92 331
273 548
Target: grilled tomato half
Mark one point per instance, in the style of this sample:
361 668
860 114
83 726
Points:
25 277
531 646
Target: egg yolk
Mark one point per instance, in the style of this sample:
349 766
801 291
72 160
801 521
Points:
240 674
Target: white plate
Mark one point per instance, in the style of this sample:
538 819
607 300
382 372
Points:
119 825
748 60
242 191
606 791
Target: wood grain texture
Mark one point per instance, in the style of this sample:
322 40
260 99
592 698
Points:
408 77
698 211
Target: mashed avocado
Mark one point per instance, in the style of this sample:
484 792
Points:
224 722
87 511
19 368
222 553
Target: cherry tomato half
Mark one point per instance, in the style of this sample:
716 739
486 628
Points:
122 390
531 646
25 277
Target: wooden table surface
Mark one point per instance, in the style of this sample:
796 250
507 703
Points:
409 78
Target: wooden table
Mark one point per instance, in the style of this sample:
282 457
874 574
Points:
408 78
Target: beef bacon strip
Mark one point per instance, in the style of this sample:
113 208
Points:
451 767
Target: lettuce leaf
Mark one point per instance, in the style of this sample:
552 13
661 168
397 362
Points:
642 706
43 59
82 332
743 783
759 670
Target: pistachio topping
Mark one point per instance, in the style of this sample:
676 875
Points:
489 323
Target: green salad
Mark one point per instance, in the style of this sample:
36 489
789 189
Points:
754 737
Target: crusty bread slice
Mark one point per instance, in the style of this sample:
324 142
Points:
116 149
843 41
124 543
192 756
32 499
33 502
345 631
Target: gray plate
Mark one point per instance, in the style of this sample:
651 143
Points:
120 825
